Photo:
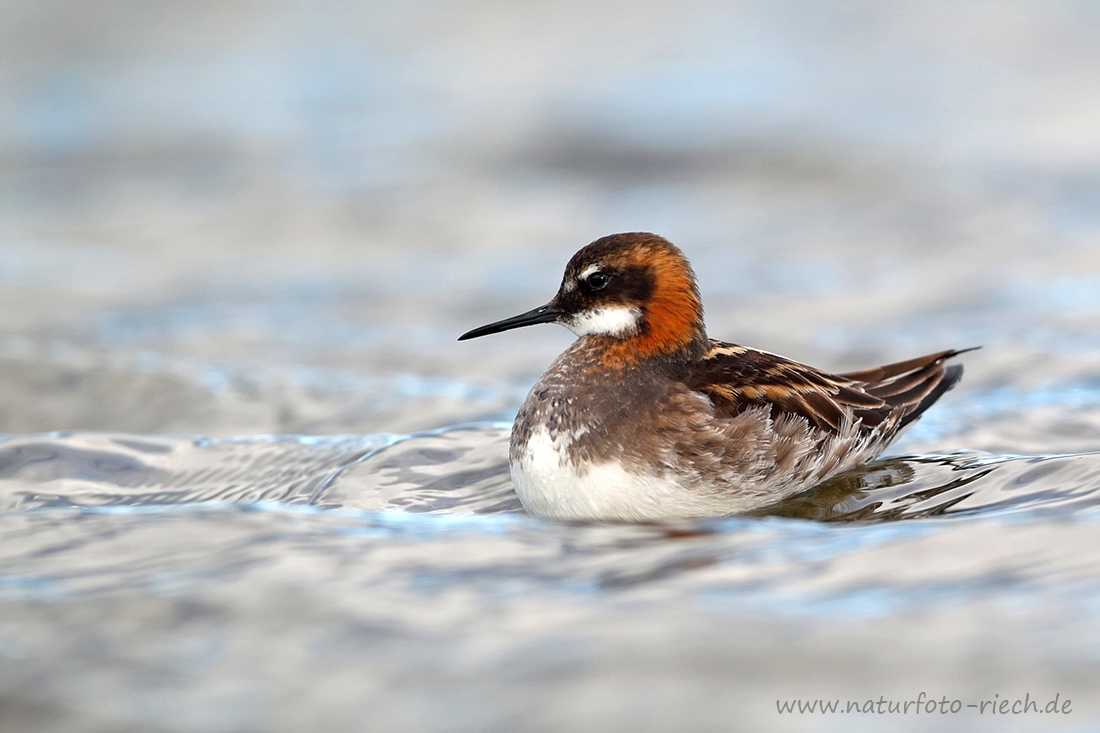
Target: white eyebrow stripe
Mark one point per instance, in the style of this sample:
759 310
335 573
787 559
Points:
589 270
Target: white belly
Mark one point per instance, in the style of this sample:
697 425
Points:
550 485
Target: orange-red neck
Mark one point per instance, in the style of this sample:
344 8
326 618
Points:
672 317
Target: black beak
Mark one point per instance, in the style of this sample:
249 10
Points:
542 314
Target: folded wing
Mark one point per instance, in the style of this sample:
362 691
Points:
888 397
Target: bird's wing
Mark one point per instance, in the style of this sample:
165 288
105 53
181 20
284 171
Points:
736 377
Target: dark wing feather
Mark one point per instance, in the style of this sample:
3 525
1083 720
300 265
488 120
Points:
736 377
882 373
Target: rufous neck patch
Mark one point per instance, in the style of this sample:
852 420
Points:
672 316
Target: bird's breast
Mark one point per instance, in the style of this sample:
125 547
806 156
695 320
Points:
552 483
570 460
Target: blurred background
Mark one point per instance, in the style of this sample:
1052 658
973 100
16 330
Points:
225 224
241 217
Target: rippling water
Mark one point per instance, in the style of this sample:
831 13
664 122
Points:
236 247
273 581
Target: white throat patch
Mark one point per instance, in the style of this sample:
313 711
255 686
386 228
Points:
606 321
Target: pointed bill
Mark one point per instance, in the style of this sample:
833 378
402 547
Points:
543 314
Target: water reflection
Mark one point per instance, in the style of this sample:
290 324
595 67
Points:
464 470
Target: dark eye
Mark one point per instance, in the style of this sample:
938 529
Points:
598 280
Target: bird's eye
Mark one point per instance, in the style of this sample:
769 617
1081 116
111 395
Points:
598 280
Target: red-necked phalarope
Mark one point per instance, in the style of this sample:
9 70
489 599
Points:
645 418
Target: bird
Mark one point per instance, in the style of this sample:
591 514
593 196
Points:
644 418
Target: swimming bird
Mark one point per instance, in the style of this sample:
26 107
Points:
645 418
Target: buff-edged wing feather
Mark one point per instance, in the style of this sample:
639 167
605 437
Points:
736 377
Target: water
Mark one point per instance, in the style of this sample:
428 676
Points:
273 582
249 481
